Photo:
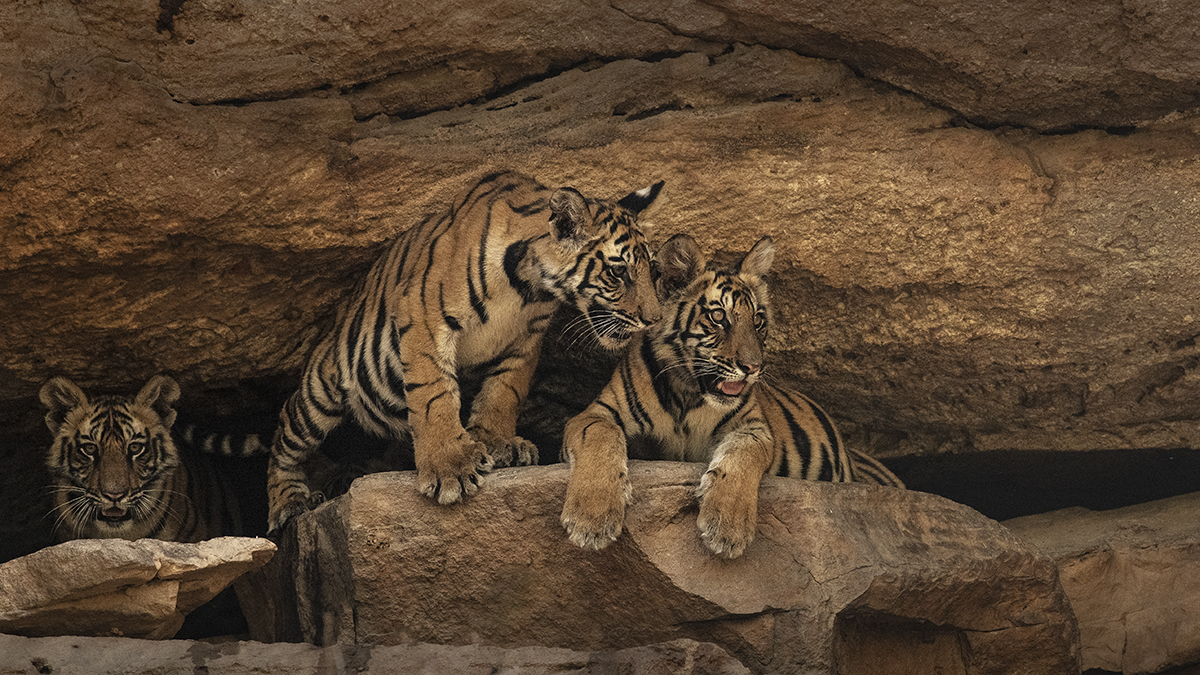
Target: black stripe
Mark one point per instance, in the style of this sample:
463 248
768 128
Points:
532 207
451 321
616 415
482 263
429 403
729 415
635 405
513 256
662 385
802 441
833 449
476 302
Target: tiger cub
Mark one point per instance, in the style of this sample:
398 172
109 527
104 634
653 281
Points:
117 473
467 294
689 389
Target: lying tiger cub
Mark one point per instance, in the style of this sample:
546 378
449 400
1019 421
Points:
117 474
688 389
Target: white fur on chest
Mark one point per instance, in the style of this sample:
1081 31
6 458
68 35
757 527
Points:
693 439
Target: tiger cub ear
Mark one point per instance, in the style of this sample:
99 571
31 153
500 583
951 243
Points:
159 394
758 261
679 261
569 215
636 202
60 395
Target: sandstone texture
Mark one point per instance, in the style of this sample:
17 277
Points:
120 656
841 578
1130 575
114 587
190 187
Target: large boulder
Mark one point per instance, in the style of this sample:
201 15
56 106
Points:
1130 575
141 588
841 578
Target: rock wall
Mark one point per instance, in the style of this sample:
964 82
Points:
190 187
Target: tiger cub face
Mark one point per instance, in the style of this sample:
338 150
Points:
112 458
716 318
604 263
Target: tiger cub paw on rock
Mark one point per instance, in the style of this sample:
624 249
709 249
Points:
451 471
594 511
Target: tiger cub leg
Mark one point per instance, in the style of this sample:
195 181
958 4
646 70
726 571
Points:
450 464
728 491
307 417
494 412
599 488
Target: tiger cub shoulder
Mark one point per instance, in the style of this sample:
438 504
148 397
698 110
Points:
117 472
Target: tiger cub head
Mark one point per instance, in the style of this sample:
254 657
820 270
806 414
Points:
602 265
112 458
716 318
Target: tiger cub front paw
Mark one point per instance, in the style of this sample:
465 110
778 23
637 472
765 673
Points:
728 514
594 515
288 508
451 472
514 451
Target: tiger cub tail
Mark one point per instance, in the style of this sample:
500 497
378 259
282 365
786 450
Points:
867 469
223 444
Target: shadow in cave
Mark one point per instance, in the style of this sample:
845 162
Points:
1012 483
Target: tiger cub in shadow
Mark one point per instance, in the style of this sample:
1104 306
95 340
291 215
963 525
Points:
690 389
117 473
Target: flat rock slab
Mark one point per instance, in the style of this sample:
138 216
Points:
1130 575
123 656
841 578
141 588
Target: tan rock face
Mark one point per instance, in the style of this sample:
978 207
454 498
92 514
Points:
142 588
938 286
1129 574
837 573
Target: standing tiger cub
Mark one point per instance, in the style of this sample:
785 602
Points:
117 474
688 389
468 294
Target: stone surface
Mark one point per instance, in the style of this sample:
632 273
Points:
143 588
1130 575
1019 62
122 656
879 578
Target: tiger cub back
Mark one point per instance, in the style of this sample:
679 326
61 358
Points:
117 473
466 295
689 389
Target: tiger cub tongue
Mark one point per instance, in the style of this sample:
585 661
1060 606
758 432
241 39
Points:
732 388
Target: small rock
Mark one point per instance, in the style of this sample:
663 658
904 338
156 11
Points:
141 588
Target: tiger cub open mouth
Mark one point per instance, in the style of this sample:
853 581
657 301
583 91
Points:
114 514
